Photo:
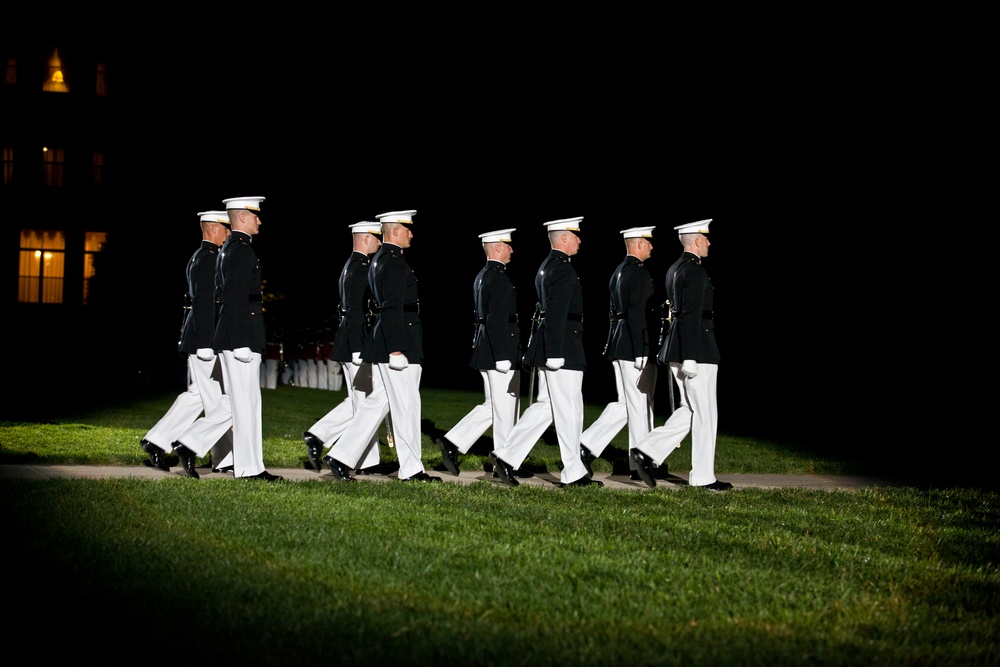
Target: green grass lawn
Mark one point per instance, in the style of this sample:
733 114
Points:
109 434
318 573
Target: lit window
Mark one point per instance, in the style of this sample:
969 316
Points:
52 163
8 164
43 258
93 244
10 71
55 82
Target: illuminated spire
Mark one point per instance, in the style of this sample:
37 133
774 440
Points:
55 82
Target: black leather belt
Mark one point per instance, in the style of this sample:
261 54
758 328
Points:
576 317
511 319
407 308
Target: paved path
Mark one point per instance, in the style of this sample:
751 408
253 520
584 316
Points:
678 480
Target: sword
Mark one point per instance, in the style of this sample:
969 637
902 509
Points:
611 328
389 439
184 316
535 319
666 319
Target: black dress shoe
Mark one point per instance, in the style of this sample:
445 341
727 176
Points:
503 470
223 469
187 458
266 476
520 474
313 448
157 457
449 454
643 466
341 473
718 485
659 472
587 459
371 471
583 481
421 477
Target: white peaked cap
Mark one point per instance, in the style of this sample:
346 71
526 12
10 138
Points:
370 227
499 235
214 216
565 224
638 233
405 217
700 227
249 203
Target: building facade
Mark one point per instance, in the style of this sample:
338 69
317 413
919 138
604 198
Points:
61 202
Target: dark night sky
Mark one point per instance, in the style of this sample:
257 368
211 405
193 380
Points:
789 156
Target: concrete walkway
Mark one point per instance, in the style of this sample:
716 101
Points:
546 479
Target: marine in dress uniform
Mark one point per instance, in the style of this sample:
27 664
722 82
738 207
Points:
631 290
556 351
204 390
496 351
395 348
334 376
352 332
311 362
240 338
322 356
693 357
269 370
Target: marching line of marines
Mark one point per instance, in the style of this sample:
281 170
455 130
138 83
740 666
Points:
379 346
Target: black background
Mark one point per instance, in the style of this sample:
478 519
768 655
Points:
805 162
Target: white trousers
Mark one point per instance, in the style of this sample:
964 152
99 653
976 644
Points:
322 375
560 401
360 435
242 384
311 374
204 393
336 378
402 388
269 374
633 408
499 410
333 424
697 414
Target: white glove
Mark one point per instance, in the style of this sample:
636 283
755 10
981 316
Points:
503 366
243 354
554 363
205 353
356 358
640 362
689 368
398 362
